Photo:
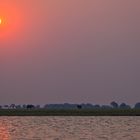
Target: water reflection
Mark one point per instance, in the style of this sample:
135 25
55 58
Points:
69 128
4 133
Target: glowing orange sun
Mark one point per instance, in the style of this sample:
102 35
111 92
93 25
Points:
10 21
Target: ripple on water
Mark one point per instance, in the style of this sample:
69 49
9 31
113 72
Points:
69 128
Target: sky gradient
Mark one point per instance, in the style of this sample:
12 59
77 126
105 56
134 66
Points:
70 51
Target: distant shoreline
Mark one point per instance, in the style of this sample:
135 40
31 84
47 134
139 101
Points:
69 112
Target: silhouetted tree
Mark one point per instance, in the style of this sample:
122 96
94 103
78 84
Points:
79 106
105 107
30 106
6 106
18 107
87 106
24 106
96 106
137 105
114 104
12 106
124 106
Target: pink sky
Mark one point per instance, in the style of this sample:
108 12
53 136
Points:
71 51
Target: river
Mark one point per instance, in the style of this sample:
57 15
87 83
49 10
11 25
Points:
69 128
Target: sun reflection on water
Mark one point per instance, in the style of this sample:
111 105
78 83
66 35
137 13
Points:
4 133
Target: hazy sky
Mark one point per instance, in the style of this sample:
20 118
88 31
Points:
56 51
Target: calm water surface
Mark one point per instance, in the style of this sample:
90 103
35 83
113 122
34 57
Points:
69 128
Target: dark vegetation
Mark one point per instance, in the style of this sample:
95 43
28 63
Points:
114 109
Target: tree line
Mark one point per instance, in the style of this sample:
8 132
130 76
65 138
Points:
112 105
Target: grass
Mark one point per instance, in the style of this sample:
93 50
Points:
69 112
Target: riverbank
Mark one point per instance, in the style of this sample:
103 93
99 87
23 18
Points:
70 112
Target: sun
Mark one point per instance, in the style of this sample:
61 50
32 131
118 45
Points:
11 21
0 21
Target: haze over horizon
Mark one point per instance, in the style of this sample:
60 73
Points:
73 51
